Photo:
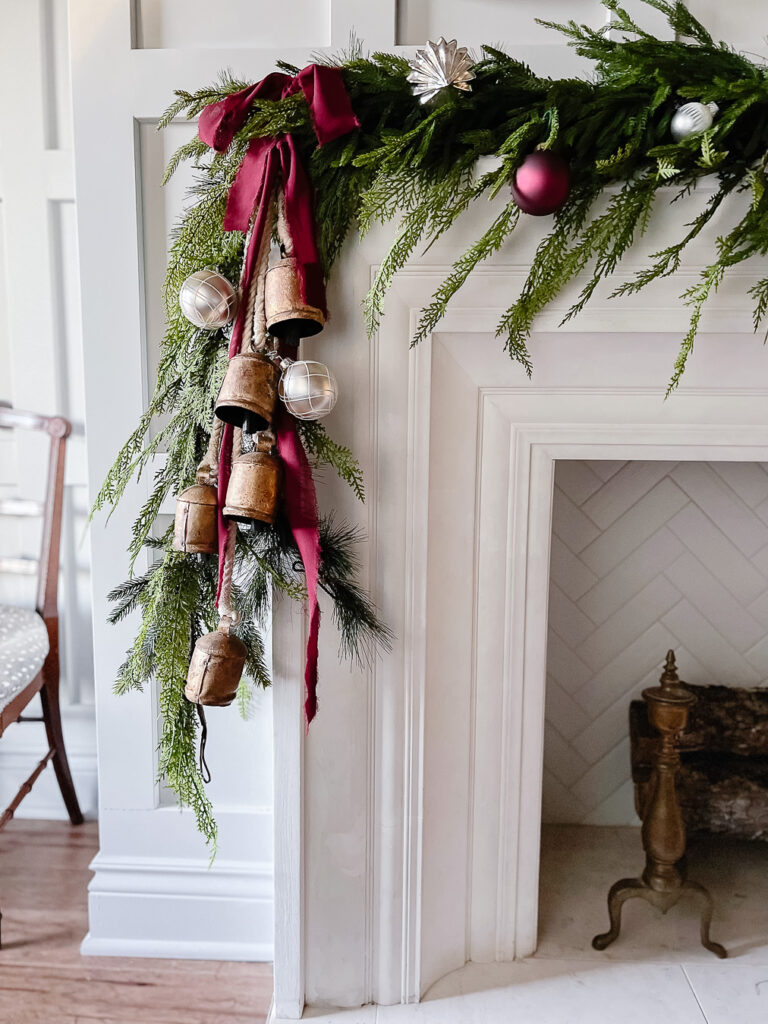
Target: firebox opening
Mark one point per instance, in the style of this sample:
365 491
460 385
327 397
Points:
648 557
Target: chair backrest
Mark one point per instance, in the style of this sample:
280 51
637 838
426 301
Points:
50 509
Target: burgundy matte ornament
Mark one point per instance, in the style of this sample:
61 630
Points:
541 183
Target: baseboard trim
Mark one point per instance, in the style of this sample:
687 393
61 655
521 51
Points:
177 877
179 909
176 950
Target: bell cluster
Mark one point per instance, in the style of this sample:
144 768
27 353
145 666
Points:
256 380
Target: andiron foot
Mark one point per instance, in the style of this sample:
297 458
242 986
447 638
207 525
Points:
636 888
621 891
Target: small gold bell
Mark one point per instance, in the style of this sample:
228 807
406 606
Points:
287 313
253 490
195 526
249 392
216 667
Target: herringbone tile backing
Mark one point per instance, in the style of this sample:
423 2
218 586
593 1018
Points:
645 556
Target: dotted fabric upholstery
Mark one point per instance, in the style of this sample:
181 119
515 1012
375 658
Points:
23 647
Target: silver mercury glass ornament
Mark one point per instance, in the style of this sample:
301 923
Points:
692 119
208 300
438 66
307 388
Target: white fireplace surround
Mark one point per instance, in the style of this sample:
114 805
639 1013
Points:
407 825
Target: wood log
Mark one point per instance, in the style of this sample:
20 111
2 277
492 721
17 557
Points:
723 780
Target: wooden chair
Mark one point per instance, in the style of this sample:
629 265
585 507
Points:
29 640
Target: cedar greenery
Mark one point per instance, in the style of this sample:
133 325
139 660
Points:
418 163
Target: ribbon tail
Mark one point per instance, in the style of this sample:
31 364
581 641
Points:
225 469
301 225
301 512
310 669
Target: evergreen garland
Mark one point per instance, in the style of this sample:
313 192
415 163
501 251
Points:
418 162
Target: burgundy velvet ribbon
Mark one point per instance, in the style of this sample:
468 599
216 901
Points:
255 182
332 116
301 510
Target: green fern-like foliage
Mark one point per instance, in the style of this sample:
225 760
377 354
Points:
418 163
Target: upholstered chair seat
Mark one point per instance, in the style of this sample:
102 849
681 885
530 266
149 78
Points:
23 648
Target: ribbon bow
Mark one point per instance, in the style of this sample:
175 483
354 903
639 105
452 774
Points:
332 116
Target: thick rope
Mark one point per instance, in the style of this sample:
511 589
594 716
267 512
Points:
226 608
283 234
208 470
255 340
255 318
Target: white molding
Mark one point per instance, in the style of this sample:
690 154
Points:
660 311
415 665
288 644
175 876
178 949
577 411
172 907
540 447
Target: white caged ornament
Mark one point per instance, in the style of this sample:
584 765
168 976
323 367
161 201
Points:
308 389
438 66
692 119
208 300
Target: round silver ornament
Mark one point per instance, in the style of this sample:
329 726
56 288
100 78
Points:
438 66
692 119
208 300
308 389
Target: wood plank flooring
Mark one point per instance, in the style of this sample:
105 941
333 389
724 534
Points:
44 980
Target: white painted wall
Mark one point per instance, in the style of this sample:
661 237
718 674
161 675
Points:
41 367
153 892
645 556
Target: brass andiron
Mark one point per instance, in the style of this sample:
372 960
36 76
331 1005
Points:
664 879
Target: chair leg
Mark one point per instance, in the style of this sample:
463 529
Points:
49 697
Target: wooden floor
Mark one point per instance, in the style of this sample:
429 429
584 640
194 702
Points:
44 980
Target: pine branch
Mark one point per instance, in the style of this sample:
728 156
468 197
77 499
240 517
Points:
550 272
490 242
322 450
608 238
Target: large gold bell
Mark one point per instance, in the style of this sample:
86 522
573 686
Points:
215 669
195 527
249 392
287 313
253 490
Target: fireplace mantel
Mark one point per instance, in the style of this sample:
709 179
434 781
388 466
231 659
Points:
408 821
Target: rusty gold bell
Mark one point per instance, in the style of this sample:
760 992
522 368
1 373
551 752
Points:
249 392
216 667
253 490
287 313
195 527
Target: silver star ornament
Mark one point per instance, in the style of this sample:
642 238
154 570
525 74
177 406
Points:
438 66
